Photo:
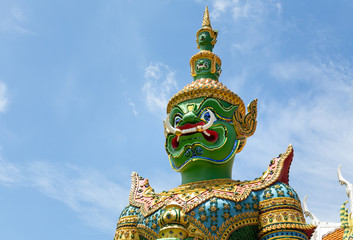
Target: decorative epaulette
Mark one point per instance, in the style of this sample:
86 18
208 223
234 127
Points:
193 194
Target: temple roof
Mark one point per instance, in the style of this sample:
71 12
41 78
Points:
337 234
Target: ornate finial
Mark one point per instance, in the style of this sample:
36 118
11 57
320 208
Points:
206 19
348 185
346 222
206 37
307 213
206 64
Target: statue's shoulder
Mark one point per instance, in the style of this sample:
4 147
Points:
142 195
278 171
278 204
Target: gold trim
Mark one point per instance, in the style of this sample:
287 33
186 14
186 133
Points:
201 227
245 126
190 107
232 225
206 87
277 172
146 232
286 237
204 54
228 227
283 226
281 216
128 220
127 233
268 204
195 232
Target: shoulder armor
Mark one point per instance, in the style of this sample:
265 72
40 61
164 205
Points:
278 171
280 211
142 195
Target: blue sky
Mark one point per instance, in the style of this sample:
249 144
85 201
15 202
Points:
84 87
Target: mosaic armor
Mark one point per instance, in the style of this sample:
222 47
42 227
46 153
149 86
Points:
206 125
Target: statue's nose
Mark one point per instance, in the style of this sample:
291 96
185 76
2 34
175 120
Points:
189 117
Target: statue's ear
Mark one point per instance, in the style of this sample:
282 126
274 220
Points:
214 37
245 126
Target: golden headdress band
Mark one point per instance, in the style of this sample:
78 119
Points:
206 87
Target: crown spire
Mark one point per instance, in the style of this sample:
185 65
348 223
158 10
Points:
206 19
206 64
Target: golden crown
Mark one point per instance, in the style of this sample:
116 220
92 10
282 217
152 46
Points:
206 87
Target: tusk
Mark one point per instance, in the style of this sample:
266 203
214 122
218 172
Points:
210 123
169 128
189 130
206 133
178 132
166 129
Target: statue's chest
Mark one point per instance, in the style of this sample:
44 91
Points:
215 218
217 209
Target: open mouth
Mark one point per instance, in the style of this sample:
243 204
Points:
208 135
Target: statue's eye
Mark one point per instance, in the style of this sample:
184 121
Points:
177 119
206 116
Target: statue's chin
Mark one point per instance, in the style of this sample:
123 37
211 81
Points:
200 161
203 170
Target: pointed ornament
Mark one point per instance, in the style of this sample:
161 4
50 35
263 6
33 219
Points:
206 23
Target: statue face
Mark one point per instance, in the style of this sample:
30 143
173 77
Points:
204 41
204 38
200 129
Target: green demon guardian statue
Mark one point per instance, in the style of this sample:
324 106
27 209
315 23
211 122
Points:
206 126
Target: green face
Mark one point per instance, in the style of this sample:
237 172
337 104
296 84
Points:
201 130
204 41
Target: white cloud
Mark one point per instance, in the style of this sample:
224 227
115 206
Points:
255 24
18 13
88 192
133 106
255 9
219 7
321 116
12 21
159 86
3 97
9 173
